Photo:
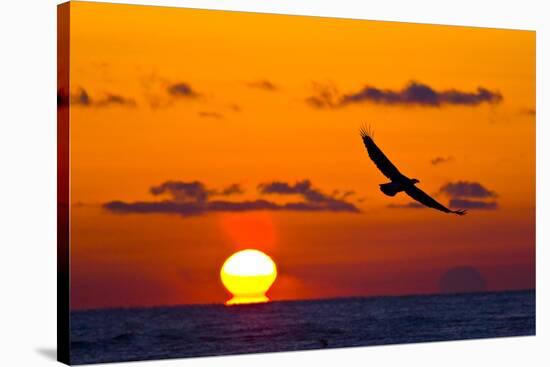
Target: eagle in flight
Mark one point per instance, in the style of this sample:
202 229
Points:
399 182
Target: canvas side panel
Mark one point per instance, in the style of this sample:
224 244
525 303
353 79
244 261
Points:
63 204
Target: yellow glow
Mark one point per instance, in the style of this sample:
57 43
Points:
248 275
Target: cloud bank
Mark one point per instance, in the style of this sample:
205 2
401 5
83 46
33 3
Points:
194 198
414 93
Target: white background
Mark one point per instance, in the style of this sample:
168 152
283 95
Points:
28 183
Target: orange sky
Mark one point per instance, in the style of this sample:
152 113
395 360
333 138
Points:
246 121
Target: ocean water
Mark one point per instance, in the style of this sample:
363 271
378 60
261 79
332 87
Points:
206 330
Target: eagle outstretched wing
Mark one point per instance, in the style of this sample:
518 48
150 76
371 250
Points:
391 172
425 199
378 157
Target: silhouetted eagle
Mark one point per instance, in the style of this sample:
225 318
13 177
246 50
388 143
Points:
399 182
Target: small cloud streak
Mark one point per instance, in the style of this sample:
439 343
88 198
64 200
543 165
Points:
194 198
440 160
213 115
414 93
232 189
181 90
263 84
83 98
529 111
115 99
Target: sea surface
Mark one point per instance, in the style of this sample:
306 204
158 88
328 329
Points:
111 335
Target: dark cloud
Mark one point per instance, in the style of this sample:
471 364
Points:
263 84
409 205
194 191
422 94
181 90
82 98
232 190
469 195
413 94
182 191
149 207
314 199
115 99
194 198
466 189
440 160
473 204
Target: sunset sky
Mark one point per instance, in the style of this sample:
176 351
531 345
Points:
198 133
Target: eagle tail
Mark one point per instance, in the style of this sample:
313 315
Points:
366 131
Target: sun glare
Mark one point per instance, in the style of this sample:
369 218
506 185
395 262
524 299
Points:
248 275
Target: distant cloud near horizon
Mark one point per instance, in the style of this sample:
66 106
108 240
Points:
414 93
194 198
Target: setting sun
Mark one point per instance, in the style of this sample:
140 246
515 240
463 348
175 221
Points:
248 275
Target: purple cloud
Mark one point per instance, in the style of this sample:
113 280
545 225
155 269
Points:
473 204
414 93
181 90
466 189
194 198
